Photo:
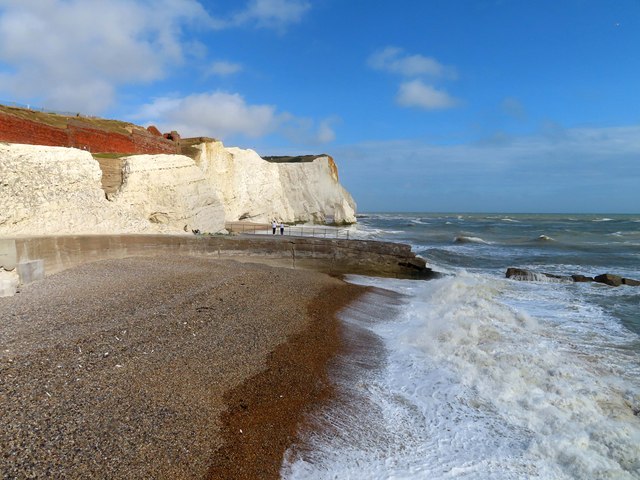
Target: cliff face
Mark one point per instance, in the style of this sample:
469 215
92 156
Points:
56 190
254 189
18 125
170 191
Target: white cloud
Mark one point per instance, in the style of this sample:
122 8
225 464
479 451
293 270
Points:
224 115
325 133
309 132
273 13
223 68
416 93
73 54
216 114
394 60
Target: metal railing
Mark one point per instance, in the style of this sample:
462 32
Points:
316 231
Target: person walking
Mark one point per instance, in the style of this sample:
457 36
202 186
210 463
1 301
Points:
281 228
274 225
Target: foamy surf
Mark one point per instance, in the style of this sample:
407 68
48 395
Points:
469 239
474 386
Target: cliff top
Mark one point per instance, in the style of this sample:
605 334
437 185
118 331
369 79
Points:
296 159
60 120
14 131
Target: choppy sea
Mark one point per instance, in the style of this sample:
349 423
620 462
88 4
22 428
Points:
482 377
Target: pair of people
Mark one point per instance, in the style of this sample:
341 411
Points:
274 225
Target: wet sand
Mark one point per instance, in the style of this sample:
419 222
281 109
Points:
175 367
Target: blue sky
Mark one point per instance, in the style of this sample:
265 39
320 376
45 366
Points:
433 105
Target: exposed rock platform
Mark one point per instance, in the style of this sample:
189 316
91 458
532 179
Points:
606 278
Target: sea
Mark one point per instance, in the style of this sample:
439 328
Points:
477 376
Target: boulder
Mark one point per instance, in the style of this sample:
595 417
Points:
581 278
606 278
153 130
527 275
609 279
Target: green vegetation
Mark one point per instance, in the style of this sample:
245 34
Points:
298 159
110 155
61 121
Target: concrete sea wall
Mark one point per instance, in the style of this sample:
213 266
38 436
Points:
25 260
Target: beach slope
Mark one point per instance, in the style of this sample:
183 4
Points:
125 368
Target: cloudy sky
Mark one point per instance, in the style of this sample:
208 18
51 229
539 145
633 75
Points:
426 105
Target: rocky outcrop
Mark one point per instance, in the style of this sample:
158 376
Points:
606 278
527 275
616 280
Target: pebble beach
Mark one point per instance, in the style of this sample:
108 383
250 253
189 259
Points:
164 367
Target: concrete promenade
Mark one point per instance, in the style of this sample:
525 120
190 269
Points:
35 257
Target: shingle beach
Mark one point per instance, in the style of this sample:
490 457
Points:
163 367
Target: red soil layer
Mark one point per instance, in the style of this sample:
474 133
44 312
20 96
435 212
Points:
79 134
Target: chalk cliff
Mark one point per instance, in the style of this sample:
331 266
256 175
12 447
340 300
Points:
169 191
57 190
254 189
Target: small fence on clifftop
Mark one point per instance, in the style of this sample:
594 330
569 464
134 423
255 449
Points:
36 108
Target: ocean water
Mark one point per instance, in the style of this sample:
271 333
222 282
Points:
475 376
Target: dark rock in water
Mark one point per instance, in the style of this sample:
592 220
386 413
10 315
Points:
608 279
417 267
527 275
581 278
517 273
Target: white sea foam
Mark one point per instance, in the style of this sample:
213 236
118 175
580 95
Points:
545 238
469 239
475 387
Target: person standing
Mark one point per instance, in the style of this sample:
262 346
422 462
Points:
281 228
274 226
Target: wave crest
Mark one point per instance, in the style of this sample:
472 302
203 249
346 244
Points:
466 239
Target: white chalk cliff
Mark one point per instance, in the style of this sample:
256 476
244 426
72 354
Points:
254 189
169 191
57 190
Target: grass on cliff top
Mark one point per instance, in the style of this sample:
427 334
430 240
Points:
60 121
289 159
110 155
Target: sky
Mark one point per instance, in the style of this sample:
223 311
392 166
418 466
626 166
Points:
425 105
